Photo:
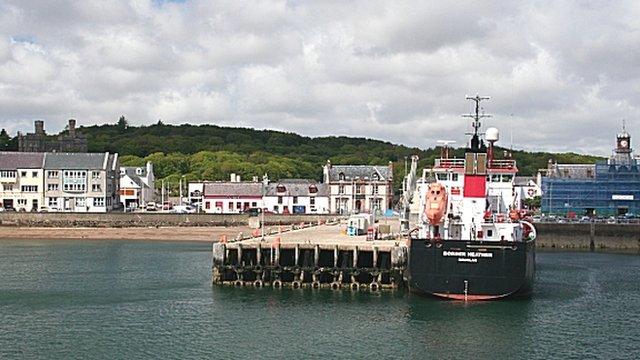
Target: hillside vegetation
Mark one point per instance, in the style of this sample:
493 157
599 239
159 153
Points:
209 152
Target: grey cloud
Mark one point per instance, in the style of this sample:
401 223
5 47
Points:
561 74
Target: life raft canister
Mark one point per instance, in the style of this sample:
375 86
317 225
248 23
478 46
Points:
436 204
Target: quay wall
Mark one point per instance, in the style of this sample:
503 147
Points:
101 220
590 236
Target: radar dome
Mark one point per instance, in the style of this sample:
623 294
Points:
492 134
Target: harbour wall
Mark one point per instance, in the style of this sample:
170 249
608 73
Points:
102 220
589 236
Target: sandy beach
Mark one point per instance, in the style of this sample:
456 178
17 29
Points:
151 233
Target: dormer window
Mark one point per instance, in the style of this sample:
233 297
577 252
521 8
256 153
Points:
375 177
341 176
281 188
138 171
313 189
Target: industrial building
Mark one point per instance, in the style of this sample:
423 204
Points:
607 188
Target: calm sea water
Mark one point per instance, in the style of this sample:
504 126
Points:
130 300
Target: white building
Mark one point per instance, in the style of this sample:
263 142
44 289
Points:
527 188
21 181
297 196
359 188
137 185
195 193
232 197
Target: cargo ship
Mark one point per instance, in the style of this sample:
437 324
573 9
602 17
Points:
471 241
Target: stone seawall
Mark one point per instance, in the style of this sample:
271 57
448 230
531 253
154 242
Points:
589 236
147 219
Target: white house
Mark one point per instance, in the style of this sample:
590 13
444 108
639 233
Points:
297 196
359 188
137 185
527 188
21 181
232 197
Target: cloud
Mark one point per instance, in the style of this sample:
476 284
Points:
562 75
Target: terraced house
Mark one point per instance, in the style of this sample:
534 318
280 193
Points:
81 182
21 181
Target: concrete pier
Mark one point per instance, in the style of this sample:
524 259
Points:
314 257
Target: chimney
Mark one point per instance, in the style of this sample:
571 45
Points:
390 171
39 127
72 127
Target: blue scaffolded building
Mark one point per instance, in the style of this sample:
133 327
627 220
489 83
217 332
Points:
607 188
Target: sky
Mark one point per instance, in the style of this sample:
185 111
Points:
561 74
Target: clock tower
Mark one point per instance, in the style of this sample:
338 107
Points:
623 141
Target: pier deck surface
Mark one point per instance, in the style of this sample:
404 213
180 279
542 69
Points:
325 236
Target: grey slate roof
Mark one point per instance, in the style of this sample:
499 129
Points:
12 160
363 172
77 161
131 171
297 187
522 180
233 189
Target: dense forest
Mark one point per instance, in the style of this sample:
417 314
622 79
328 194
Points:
209 152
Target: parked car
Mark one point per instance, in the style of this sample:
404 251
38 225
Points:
167 205
184 209
253 211
151 206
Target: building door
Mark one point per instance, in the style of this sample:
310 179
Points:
359 205
7 203
34 205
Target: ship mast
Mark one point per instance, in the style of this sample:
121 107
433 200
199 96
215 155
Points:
476 143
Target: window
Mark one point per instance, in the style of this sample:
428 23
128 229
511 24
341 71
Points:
8 174
341 189
22 202
53 187
507 178
281 188
138 171
254 204
312 201
98 202
52 202
275 208
375 177
279 199
34 174
313 189
238 205
95 174
29 188
96 187
8 187
441 176
230 205
23 173
341 177
454 177
207 205
52 174
295 199
375 189
495 178
218 205
80 201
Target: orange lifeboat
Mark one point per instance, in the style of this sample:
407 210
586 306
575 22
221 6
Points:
436 205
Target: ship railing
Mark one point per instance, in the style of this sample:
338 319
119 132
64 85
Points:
449 163
503 164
